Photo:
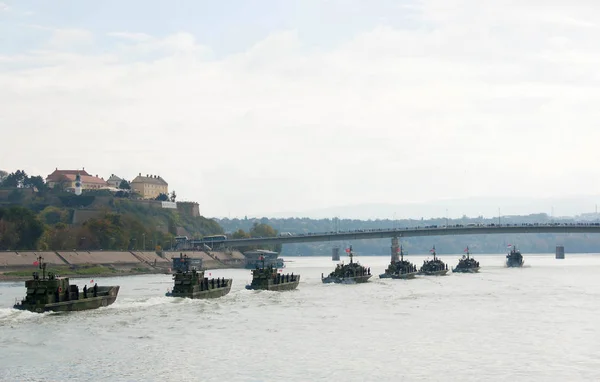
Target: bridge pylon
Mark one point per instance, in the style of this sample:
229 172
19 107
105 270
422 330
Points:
395 249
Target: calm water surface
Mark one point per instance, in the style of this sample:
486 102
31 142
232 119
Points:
535 323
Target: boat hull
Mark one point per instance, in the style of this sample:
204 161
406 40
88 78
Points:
210 293
346 280
514 264
403 276
434 273
465 270
290 285
105 297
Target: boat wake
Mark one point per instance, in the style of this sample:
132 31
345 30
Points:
10 316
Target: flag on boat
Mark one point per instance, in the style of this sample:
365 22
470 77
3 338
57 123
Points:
432 250
510 245
347 250
36 263
466 249
91 281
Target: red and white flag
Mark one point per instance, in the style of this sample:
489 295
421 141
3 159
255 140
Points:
347 250
510 245
466 249
91 281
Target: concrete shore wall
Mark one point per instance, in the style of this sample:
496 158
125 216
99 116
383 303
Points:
144 259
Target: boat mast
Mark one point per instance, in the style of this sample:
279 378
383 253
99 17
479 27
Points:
350 254
42 266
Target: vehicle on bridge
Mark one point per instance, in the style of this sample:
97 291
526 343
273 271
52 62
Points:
189 281
514 259
400 269
351 273
467 264
435 267
267 278
261 256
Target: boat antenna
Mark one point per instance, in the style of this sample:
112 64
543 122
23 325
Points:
350 254
43 266
467 251
401 254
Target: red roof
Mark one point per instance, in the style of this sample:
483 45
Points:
71 174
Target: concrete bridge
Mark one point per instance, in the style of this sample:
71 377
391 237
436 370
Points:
407 232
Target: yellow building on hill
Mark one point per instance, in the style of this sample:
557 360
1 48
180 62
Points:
149 186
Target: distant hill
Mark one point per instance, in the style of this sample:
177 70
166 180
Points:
480 206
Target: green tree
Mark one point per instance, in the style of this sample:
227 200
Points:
52 215
162 197
124 185
3 175
15 179
21 229
35 182
173 196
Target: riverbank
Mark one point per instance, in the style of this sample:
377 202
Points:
18 266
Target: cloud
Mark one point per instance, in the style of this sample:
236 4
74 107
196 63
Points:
471 100
131 36
4 7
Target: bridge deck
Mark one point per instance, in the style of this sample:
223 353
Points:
412 232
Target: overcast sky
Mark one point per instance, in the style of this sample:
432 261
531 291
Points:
258 107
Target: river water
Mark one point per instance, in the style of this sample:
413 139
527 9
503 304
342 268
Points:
503 324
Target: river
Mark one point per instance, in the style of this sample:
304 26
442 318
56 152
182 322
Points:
539 322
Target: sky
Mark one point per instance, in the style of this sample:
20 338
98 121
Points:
261 107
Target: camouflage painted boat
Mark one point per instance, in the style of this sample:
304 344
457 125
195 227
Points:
435 267
54 294
401 269
351 273
514 259
267 278
189 281
467 264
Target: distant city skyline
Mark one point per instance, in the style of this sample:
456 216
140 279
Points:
258 108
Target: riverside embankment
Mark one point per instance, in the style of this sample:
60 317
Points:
17 265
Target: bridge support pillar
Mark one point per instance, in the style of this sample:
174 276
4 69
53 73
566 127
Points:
395 249
560 252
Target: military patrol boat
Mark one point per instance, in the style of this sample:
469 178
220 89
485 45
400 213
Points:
189 281
54 294
351 273
401 269
467 264
267 278
435 267
514 258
